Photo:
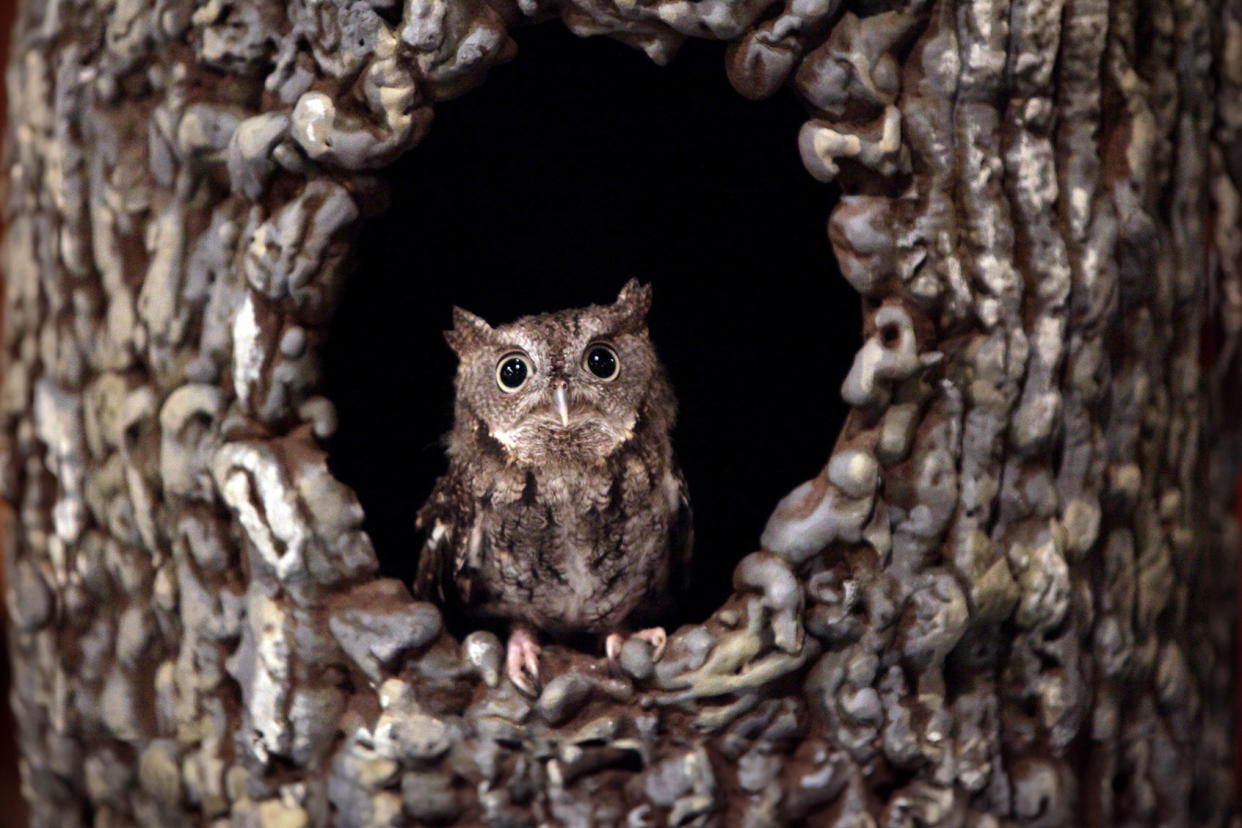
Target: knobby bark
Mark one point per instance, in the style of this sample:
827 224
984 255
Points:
1008 598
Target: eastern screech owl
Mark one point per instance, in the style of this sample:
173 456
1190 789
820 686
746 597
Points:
563 508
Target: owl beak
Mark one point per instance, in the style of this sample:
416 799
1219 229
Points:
562 406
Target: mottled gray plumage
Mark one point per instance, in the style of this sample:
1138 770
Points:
567 514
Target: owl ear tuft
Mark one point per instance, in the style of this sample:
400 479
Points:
468 331
632 303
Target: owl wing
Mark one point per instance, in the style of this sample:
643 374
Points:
668 590
446 520
681 537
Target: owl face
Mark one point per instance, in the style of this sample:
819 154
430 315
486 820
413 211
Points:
566 383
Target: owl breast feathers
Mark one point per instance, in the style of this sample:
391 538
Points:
563 506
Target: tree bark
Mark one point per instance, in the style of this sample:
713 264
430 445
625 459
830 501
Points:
1010 597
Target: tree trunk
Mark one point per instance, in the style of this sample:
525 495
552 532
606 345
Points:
1009 597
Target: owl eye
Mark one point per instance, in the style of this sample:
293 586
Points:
602 361
512 372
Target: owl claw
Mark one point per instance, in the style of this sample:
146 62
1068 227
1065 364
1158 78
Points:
522 659
612 647
655 636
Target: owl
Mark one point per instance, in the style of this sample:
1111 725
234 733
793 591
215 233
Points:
563 509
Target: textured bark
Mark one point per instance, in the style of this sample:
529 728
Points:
1008 598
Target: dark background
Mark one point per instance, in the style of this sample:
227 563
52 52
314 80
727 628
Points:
574 167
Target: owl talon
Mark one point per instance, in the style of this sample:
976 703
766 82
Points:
522 659
612 647
655 636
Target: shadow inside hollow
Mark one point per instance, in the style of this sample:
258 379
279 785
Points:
573 168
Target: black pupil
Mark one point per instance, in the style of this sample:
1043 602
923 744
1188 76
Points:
602 362
513 373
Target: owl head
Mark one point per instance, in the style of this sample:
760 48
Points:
571 383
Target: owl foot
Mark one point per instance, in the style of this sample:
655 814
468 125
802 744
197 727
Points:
522 659
655 636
